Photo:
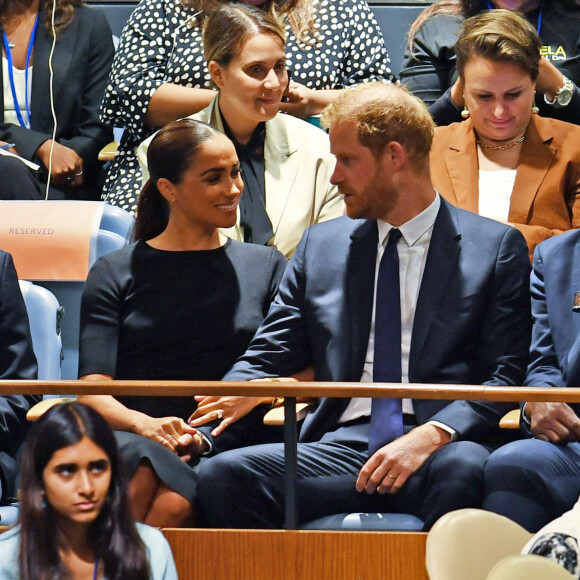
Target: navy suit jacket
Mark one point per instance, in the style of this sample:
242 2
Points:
472 321
555 350
17 361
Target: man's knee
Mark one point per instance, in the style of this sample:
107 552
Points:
461 461
528 459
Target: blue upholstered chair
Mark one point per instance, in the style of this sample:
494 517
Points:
44 314
369 522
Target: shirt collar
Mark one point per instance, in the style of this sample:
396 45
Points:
415 227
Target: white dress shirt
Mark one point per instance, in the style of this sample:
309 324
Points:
412 248
20 87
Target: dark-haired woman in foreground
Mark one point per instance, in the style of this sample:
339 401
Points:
182 303
75 519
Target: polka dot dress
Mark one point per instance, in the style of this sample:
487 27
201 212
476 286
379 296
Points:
159 46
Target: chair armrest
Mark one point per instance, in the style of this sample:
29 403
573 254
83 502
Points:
109 151
43 406
510 420
275 416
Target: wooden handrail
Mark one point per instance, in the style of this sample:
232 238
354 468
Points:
292 389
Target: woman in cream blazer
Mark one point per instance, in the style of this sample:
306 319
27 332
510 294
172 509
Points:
298 166
249 69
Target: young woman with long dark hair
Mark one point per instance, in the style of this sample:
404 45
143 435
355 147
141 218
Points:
75 519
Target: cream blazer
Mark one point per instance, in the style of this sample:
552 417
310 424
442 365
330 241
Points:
298 166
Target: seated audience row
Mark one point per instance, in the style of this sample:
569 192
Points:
381 137
407 288
159 73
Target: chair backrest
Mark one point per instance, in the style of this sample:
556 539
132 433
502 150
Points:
467 543
116 219
528 567
44 314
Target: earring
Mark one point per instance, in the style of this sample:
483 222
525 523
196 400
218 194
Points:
465 112
535 109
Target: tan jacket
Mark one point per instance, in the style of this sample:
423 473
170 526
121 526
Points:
545 199
298 166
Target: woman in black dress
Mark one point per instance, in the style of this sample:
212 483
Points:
181 303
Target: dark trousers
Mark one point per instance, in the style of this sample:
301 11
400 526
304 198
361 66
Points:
18 181
244 488
532 482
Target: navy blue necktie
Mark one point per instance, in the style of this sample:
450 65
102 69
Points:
386 414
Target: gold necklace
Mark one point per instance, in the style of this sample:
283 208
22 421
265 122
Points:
498 147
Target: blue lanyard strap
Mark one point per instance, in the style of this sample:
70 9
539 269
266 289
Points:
490 6
96 572
11 74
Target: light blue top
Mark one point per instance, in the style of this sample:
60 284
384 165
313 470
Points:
158 551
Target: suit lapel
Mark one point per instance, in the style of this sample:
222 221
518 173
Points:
281 169
441 259
462 167
41 116
535 160
360 288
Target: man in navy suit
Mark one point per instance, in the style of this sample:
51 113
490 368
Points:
535 480
462 314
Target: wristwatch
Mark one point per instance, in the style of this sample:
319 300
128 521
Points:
563 96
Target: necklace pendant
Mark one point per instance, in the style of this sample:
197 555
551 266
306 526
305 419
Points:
11 45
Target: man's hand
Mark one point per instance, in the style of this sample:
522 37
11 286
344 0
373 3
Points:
227 409
389 468
67 166
553 422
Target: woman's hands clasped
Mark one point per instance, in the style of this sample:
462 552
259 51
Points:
173 433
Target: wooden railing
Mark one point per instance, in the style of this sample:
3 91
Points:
205 554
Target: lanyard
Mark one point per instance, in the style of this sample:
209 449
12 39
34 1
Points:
11 74
490 6
95 573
